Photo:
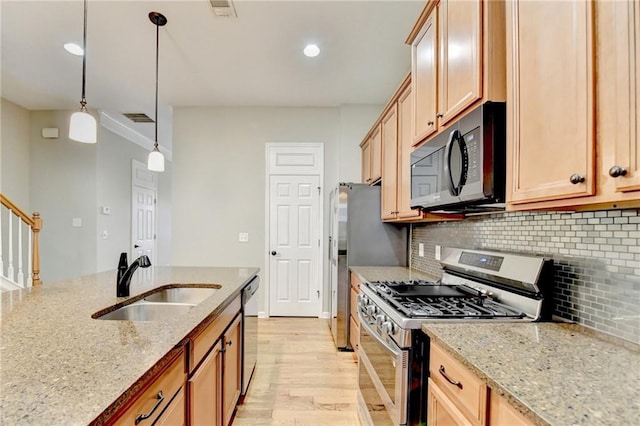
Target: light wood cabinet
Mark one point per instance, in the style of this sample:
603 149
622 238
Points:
458 61
466 391
405 109
157 396
215 378
175 414
389 190
372 156
502 413
456 396
441 409
232 368
572 107
205 390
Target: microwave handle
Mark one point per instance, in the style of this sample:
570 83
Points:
455 136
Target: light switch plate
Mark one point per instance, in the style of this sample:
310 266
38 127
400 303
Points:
420 249
76 222
243 237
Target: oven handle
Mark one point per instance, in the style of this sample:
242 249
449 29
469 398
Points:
395 351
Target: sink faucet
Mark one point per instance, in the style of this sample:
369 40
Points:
126 272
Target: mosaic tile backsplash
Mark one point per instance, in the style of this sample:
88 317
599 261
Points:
596 259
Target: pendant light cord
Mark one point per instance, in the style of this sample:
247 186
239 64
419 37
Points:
83 101
155 145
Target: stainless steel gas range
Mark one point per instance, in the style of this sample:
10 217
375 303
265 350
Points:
394 354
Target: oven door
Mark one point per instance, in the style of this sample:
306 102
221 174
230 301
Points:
382 378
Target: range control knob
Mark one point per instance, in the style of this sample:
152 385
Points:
380 318
372 310
388 328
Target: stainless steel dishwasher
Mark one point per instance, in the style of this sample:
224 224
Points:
249 332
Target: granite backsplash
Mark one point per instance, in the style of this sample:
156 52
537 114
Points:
596 259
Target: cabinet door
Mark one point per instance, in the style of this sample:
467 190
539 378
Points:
376 155
502 413
232 373
204 390
405 106
550 105
423 80
366 162
441 411
460 60
627 149
175 414
389 132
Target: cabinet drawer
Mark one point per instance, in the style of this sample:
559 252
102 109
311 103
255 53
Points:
149 402
354 333
201 343
354 306
465 389
175 414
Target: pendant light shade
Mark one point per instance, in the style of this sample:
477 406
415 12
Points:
155 162
82 126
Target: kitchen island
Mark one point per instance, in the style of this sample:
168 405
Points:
61 366
552 373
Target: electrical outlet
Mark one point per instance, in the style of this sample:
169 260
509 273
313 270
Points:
438 253
421 250
243 237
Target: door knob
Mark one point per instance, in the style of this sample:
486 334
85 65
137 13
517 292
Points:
617 171
273 253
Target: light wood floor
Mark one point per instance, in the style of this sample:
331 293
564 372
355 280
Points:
300 378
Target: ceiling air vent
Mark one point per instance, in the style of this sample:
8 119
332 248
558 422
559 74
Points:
138 117
223 8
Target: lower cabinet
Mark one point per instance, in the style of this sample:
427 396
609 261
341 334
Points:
175 414
231 368
160 401
354 321
204 390
456 396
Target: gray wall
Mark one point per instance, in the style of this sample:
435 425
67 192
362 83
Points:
14 154
66 180
596 257
219 183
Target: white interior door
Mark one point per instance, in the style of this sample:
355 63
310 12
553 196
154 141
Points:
294 236
143 212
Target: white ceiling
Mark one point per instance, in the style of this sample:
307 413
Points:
253 60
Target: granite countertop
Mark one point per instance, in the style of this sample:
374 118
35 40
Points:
390 273
60 366
554 373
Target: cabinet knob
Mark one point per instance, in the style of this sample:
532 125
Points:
439 115
430 123
617 171
229 343
576 179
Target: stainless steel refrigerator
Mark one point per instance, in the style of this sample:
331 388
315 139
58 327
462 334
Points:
358 237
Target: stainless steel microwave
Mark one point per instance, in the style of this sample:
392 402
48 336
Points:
463 168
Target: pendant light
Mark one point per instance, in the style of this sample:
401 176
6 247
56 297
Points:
82 126
156 159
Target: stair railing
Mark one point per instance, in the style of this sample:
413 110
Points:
34 223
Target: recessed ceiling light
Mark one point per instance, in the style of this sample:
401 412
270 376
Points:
74 49
311 50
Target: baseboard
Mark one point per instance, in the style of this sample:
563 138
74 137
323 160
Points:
262 314
325 315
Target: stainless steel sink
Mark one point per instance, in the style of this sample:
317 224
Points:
145 311
190 295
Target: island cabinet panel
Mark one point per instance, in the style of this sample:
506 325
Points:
442 411
205 390
156 397
175 414
232 368
204 341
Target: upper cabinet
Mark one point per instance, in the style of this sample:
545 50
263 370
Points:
458 61
389 194
572 138
372 156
